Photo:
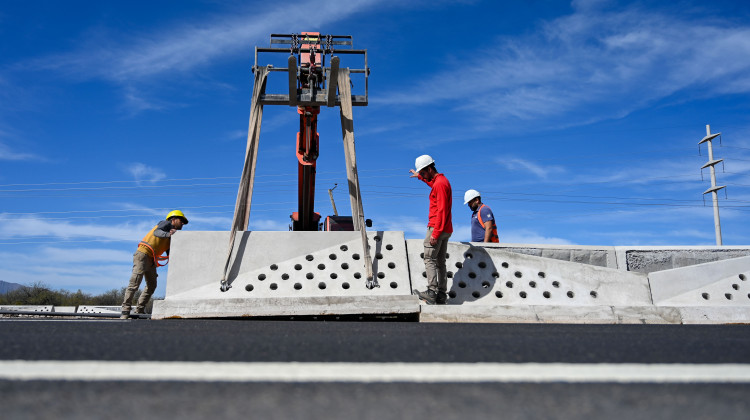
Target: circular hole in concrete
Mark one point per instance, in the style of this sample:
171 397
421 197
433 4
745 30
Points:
459 264
334 275
345 285
486 284
389 247
594 294
261 277
505 265
706 296
472 275
421 255
297 286
571 295
344 248
274 267
532 284
249 287
394 285
468 255
332 256
321 266
541 275
381 275
495 274
377 238
518 274
355 256
309 258
357 276
345 266
391 265
499 294
310 276
379 256
482 264
452 294
449 274
523 295
447 255
736 286
555 284
742 277
298 267
424 274
321 285
274 286
547 295
285 276
461 284
509 284
728 296
476 294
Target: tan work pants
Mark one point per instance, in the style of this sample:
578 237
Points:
143 266
434 261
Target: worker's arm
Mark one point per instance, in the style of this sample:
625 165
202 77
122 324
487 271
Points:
488 230
164 229
415 174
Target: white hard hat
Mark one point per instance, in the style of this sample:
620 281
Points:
470 195
423 162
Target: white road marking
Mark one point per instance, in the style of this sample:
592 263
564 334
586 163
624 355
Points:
371 372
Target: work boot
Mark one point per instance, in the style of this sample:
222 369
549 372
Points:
428 296
125 315
441 298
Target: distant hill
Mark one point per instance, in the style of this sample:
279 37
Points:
6 287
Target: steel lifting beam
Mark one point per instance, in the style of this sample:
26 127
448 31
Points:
355 197
245 190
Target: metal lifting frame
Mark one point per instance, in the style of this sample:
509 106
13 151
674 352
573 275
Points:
312 95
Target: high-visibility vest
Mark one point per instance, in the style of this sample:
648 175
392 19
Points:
493 235
153 245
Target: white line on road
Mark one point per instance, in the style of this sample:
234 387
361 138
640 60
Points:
370 372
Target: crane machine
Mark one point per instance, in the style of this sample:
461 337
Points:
316 78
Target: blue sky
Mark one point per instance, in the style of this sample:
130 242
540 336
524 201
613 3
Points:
577 121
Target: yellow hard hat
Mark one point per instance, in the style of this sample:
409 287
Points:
177 213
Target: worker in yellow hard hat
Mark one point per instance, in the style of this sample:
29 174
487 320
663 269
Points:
147 257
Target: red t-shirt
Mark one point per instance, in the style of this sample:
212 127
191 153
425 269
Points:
441 200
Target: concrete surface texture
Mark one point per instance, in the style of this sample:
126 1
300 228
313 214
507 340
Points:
721 283
641 259
491 276
286 273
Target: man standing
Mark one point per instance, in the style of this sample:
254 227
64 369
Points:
439 229
483 227
146 259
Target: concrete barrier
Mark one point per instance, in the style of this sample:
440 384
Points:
480 275
286 273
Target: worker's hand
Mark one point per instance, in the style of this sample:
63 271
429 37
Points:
433 241
414 173
172 231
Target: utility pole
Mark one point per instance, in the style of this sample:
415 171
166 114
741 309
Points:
714 189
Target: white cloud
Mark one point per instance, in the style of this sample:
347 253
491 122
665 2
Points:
593 64
183 47
142 172
524 236
541 171
13 228
6 153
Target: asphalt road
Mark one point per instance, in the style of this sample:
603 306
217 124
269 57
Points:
327 342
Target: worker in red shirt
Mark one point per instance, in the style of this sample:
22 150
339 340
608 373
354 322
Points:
439 229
